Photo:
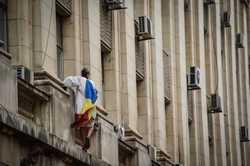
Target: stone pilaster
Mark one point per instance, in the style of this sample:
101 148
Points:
144 94
181 84
128 68
112 74
44 36
192 100
168 37
72 40
219 146
20 32
91 48
159 129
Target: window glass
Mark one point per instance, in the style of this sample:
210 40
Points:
59 39
59 32
3 25
3 1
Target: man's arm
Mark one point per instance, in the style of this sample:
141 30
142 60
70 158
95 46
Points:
72 81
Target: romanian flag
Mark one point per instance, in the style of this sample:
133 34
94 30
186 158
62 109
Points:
88 111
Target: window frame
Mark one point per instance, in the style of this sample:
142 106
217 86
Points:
4 7
59 46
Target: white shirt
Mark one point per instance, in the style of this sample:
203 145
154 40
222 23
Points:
79 83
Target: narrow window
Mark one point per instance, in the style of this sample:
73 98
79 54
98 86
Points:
3 24
106 45
104 55
59 45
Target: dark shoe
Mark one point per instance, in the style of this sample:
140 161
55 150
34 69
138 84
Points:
72 125
86 144
96 126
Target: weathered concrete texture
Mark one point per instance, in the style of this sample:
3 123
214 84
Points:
61 105
142 157
187 32
15 125
104 143
8 85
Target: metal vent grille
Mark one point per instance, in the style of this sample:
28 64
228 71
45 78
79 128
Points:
139 62
106 24
23 73
64 7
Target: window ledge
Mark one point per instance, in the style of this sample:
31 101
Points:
45 139
42 78
101 110
125 146
32 90
5 54
132 133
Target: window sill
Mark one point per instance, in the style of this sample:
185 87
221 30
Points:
42 78
5 54
34 92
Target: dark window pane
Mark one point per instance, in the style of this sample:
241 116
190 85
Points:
59 39
59 30
60 63
2 2
3 30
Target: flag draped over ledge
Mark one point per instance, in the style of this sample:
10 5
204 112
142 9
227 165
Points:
86 96
88 110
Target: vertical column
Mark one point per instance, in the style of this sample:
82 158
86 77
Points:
168 36
190 61
201 97
72 40
240 65
236 153
218 119
144 96
248 71
128 68
20 28
231 103
159 127
112 73
91 48
245 76
44 36
226 82
211 74
181 83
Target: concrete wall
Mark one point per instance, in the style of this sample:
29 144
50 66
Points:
186 33
8 86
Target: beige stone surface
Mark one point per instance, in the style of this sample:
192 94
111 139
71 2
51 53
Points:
186 33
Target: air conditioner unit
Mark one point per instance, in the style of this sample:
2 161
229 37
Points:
209 2
24 73
115 4
144 28
239 40
226 19
152 151
194 78
215 104
244 134
245 2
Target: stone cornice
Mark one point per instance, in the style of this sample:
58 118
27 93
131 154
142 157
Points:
48 141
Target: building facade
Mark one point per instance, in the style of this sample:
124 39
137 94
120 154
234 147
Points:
177 80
